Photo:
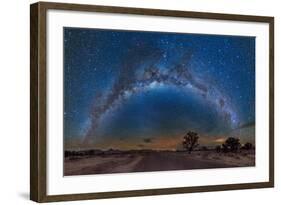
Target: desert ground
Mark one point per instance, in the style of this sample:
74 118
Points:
154 161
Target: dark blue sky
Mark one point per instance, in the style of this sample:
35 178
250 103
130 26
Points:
129 86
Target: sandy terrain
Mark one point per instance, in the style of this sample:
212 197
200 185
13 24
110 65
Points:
155 161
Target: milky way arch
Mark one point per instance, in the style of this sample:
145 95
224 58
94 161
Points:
132 81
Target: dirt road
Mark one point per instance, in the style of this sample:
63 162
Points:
156 161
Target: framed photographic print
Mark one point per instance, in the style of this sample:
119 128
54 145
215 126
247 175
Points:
133 102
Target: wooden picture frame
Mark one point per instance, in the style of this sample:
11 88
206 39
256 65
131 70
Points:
38 101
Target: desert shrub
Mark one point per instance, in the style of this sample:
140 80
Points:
67 154
218 149
224 148
248 146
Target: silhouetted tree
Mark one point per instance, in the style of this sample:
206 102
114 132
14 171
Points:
248 146
218 149
190 141
232 144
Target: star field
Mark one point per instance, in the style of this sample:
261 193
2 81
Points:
127 86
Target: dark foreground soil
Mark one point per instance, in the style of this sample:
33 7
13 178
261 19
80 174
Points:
155 161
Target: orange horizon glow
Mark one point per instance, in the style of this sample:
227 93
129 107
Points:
159 143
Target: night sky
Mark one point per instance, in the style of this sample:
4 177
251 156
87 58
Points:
143 90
